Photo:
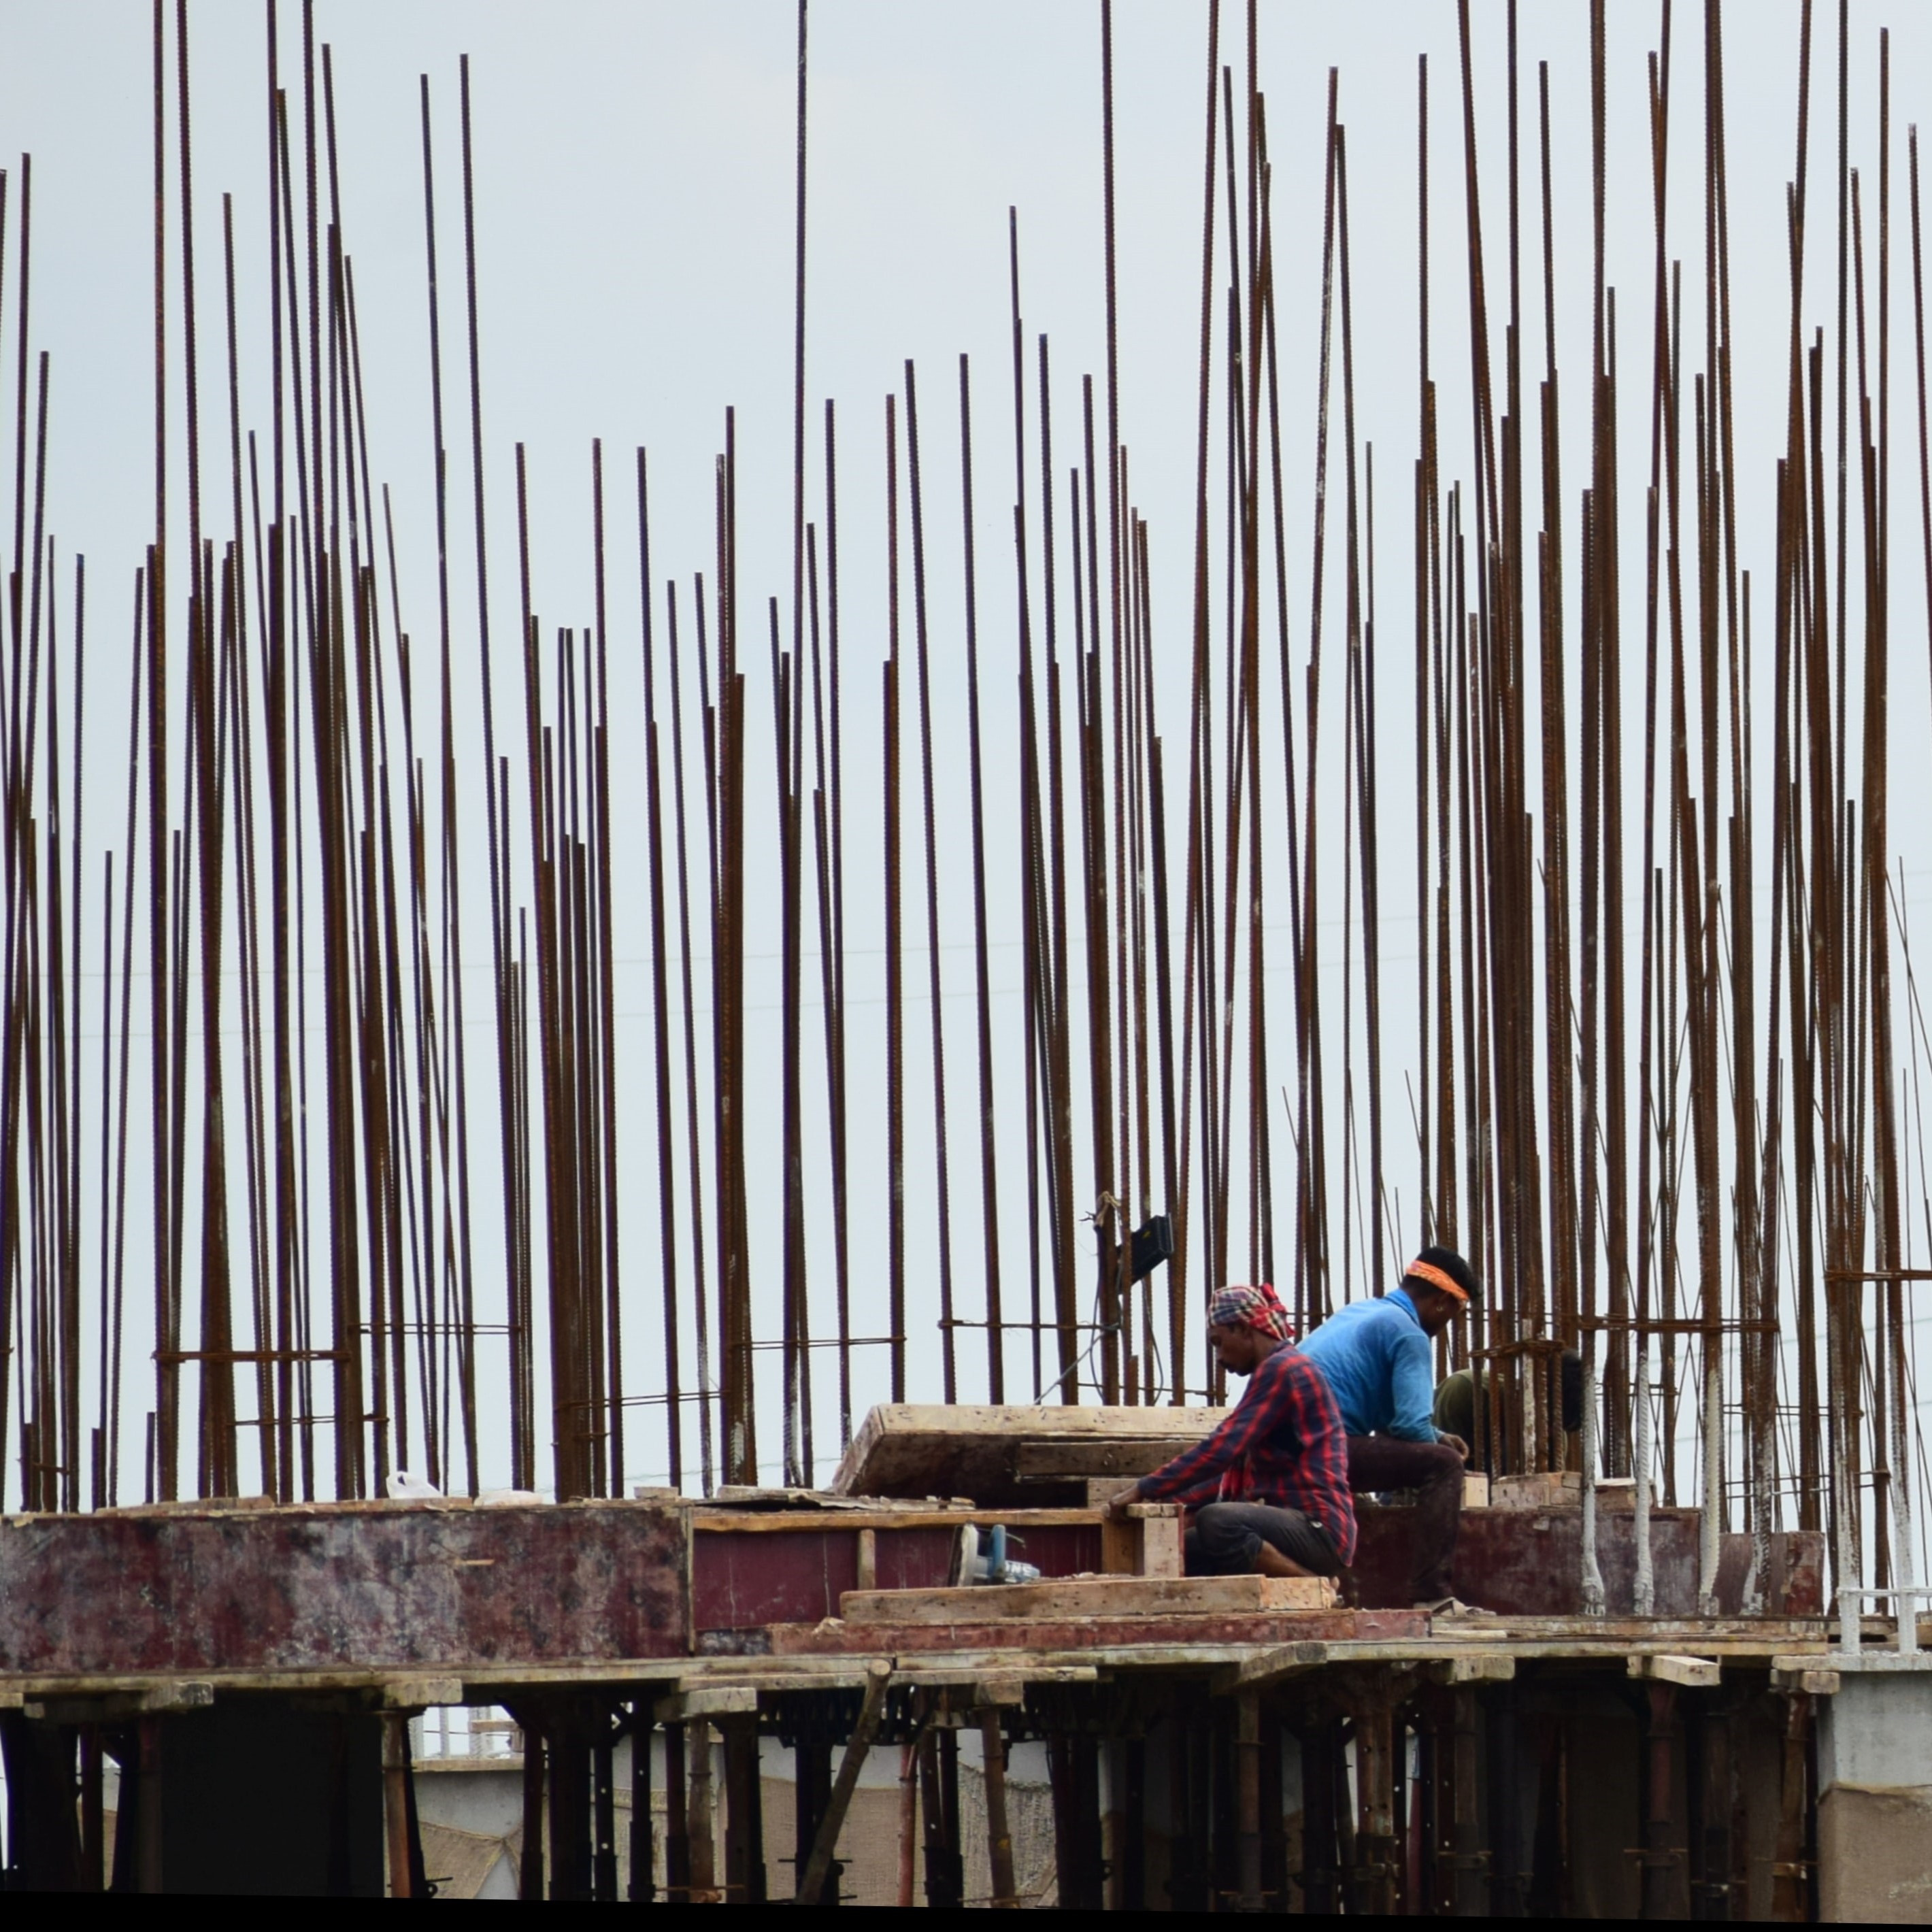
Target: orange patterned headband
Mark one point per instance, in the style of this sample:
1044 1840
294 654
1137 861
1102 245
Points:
1436 1278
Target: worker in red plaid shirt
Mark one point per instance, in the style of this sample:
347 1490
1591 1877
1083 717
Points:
1268 1491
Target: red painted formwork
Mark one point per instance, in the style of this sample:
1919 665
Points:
374 1585
1529 1563
745 1580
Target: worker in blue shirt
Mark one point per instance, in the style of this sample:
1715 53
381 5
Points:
1377 1357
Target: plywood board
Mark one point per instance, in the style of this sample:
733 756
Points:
1091 1597
1011 1456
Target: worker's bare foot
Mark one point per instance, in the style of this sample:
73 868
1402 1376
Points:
1452 1607
1270 1562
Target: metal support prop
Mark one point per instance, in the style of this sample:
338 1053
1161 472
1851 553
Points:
1471 1855
1434 1890
567 1749
945 1865
811 1790
1133 1856
643 1879
744 1814
396 1800
701 1883
1547 1889
93 1833
148 1871
530 1873
1374 1783
1509 1875
1711 1897
999 1836
1791 1889
1274 1840
1659 1855
1186 1888
604 1817
1248 1796
677 1816
1075 1765
1320 1875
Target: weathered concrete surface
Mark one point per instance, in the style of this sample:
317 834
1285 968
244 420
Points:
1875 1807
1877 1730
1875 1854
370 1585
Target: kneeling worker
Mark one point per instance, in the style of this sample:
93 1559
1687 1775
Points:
1268 1491
1376 1356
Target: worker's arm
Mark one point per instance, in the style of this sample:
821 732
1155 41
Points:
1413 1388
1192 1475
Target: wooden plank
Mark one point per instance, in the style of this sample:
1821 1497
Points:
1560 1489
156 1700
748 1522
1163 1549
740 1495
833 1655
1475 1667
918 1450
1119 1460
1091 1597
1801 1630
720 1700
1695 1673
999 1693
1554 1489
422 1694
1814 1683
1120 1547
1010 1671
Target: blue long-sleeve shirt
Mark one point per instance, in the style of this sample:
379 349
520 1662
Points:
1377 1360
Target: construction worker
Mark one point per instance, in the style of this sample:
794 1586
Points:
1268 1491
1462 1399
1376 1357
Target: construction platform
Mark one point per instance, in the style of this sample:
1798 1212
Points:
251 1670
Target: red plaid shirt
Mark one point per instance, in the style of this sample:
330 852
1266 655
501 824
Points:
1283 1445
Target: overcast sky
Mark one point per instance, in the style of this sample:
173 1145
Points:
634 185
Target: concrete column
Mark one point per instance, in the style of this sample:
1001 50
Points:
1875 1794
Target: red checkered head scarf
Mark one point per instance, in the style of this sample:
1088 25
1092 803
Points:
1255 1307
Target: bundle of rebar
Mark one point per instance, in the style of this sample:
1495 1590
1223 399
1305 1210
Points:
1686 1166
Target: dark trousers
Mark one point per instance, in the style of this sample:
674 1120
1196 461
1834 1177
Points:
1434 1472
1225 1539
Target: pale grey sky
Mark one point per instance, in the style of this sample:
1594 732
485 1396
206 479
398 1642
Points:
634 190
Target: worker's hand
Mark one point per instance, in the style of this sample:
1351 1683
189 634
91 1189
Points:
1116 1507
1457 1443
